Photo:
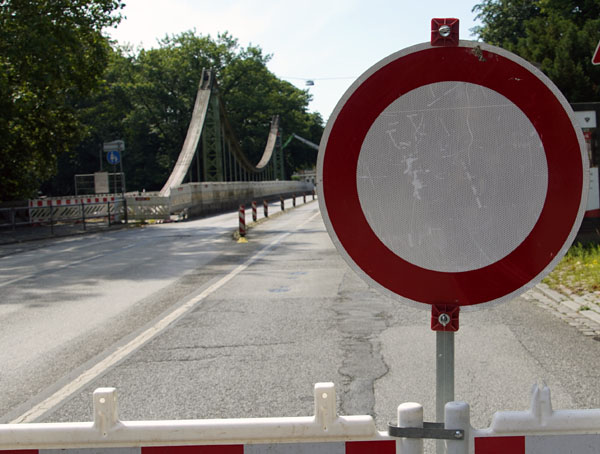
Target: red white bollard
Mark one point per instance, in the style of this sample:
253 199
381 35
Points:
254 215
266 208
242 221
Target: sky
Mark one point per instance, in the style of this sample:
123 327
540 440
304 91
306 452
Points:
331 42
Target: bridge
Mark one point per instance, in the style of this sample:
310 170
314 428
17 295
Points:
221 156
224 175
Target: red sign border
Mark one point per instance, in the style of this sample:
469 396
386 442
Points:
479 64
596 56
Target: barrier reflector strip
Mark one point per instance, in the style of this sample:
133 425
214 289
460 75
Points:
500 445
371 447
349 447
91 451
539 444
580 444
207 449
202 449
20 451
296 448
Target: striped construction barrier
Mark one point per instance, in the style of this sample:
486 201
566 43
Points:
254 213
242 225
71 201
349 447
539 444
539 430
324 432
74 208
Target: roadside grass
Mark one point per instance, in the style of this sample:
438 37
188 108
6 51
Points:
579 270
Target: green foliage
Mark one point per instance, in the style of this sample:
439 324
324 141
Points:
64 91
52 54
148 96
558 36
579 270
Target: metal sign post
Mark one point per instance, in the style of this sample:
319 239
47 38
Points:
444 321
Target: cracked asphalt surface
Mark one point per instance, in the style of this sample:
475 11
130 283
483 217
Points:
298 315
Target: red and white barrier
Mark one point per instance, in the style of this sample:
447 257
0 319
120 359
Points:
265 208
254 213
348 447
324 432
242 229
67 201
65 208
539 444
538 430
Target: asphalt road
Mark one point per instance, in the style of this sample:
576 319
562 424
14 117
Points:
257 325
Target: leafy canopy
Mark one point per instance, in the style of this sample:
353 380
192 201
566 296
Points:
147 100
52 53
558 36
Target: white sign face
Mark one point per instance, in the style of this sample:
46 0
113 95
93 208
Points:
101 182
442 159
586 118
115 145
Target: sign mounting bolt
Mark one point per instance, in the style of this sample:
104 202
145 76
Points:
445 31
444 319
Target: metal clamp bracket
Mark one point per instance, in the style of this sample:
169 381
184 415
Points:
429 430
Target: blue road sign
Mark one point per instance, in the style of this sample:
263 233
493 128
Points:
113 157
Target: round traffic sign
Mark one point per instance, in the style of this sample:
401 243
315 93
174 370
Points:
113 157
452 175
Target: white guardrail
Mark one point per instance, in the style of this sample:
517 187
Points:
538 430
192 198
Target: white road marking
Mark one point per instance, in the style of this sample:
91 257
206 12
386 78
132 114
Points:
125 350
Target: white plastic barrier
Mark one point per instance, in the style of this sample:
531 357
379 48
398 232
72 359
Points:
325 432
538 430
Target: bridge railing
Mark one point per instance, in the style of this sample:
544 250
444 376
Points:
13 217
191 198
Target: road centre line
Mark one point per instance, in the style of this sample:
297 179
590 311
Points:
120 353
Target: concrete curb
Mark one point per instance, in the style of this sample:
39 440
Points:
236 233
581 312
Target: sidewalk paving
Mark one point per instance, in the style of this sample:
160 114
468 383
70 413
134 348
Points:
581 312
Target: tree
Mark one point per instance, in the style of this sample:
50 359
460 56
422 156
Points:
558 36
52 55
147 98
